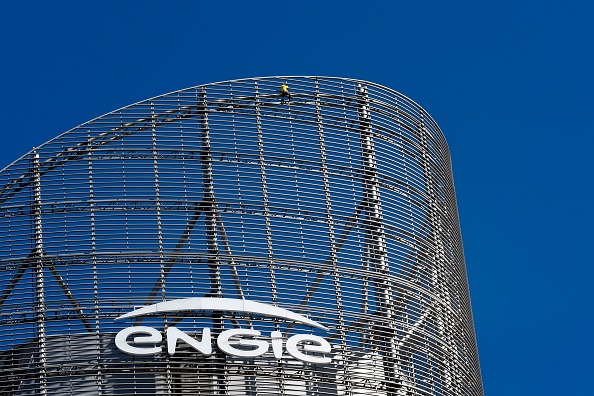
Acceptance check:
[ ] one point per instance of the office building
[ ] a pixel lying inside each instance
(225, 240)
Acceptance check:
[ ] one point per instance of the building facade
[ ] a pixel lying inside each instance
(225, 240)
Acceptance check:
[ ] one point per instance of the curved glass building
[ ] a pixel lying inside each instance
(225, 240)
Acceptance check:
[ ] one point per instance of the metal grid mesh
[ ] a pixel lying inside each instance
(338, 205)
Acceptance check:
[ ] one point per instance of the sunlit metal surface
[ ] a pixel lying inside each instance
(337, 205)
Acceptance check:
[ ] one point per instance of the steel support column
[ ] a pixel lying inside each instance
(212, 240)
(38, 254)
(376, 257)
(333, 254)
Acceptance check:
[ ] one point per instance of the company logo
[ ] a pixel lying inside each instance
(235, 342)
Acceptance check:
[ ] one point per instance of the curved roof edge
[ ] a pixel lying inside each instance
(353, 80)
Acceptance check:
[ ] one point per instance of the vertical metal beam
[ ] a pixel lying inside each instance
(333, 254)
(162, 272)
(261, 163)
(210, 210)
(38, 253)
(100, 377)
(376, 259)
(210, 204)
(158, 203)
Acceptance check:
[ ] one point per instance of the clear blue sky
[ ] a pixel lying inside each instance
(509, 82)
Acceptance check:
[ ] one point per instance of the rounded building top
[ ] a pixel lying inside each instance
(221, 95)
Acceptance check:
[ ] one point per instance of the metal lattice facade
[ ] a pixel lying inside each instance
(338, 205)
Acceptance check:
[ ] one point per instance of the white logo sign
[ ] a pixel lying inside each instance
(229, 340)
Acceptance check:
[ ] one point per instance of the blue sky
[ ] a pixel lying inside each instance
(509, 82)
